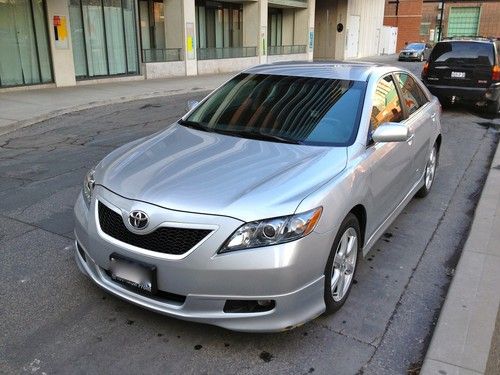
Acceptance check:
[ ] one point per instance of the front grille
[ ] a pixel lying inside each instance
(166, 240)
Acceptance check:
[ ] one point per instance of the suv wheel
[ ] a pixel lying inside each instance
(341, 264)
(493, 107)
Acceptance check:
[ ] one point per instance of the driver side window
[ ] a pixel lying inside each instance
(386, 104)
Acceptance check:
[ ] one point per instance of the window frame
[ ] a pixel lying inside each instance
(405, 110)
(369, 139)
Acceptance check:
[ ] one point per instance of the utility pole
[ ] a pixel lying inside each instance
(440, 33)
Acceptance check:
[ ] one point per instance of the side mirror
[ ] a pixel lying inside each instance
(391, 132)
(191, 104)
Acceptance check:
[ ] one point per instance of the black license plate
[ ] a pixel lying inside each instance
(136, 274)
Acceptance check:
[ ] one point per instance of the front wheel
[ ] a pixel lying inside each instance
(421, 58)
(341, 265)
(430, 173)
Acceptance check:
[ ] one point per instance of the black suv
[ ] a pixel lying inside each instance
(466, 69)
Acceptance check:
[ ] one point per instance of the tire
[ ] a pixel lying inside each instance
(445, 102)
(421, 58)
(348, 237)
(493, 107)
(430, 173)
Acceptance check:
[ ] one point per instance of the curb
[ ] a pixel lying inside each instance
(461, 341)
(47, 116)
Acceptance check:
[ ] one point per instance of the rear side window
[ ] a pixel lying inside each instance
(386, 105)
(457, 53)
(412, 95)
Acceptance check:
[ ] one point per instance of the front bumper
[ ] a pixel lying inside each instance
(409, 58)
(290, 274)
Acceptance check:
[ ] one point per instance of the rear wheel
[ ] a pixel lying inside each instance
(341, 265)
(493, 107)
(430, 173)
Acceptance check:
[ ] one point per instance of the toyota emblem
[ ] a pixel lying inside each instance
(138, 219)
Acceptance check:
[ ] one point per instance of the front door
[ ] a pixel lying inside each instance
(389, 162)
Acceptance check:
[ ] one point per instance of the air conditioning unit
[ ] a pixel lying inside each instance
(438, 16)
(440, 6)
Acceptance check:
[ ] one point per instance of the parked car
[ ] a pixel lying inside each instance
(252, 211)
(466, 69)
(415, 52)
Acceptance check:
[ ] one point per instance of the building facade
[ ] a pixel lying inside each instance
(420, 20)
(71, 42)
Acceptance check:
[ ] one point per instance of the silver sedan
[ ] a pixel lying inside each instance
(253, 210)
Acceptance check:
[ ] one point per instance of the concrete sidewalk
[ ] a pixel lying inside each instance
(25, 107)
(465, 340)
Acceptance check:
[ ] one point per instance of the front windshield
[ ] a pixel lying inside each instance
(415, 46)
(304, 110)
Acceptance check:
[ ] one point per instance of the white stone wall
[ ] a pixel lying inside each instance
(226, 65)
(164, 69)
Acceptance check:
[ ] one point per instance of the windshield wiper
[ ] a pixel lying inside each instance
(194, 125)
(240, 134)
(258, 135)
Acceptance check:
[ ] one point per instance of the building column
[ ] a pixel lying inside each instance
(62, 55)
(311, 8)
(180, 31)
(255, 27)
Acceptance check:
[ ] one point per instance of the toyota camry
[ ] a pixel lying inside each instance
(253, 210)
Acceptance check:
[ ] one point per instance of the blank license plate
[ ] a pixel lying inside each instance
(135, 274)
(457, 74)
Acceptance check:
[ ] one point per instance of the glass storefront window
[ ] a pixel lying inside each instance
(275, 27)
(152, 21)
(103, 33)
(24, 47)
(219, 24)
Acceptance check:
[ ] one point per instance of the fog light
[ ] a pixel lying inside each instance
(248, 306)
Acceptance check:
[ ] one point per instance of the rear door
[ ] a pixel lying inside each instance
(461, 63)
(421, 118)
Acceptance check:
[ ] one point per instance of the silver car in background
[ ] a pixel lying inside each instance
(252, 211)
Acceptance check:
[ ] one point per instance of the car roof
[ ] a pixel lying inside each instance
(487, 41)
(344, 70)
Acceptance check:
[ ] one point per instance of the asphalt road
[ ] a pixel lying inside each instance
(54, 320)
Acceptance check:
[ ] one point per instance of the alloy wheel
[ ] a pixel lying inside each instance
(344, 264)
(430, 169)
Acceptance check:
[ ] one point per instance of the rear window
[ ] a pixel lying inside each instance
(457, 53)
(305, 110)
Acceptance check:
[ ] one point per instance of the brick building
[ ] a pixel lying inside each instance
(418, 20)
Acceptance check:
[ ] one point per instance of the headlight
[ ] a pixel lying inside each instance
(88, 186)
(272, 231)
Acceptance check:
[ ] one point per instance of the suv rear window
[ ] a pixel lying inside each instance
(457, 53)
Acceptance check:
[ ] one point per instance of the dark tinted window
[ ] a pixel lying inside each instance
(386, 105)
(412, 95)
(304, 110)
(456, 53)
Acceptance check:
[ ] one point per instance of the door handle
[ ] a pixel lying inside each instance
(433, 117)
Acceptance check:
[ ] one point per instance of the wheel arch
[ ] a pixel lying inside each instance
(360, 212)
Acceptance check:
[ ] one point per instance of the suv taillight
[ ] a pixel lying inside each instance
(495, 73)
(425, 70)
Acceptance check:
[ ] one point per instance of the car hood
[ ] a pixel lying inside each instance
(196, 171)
